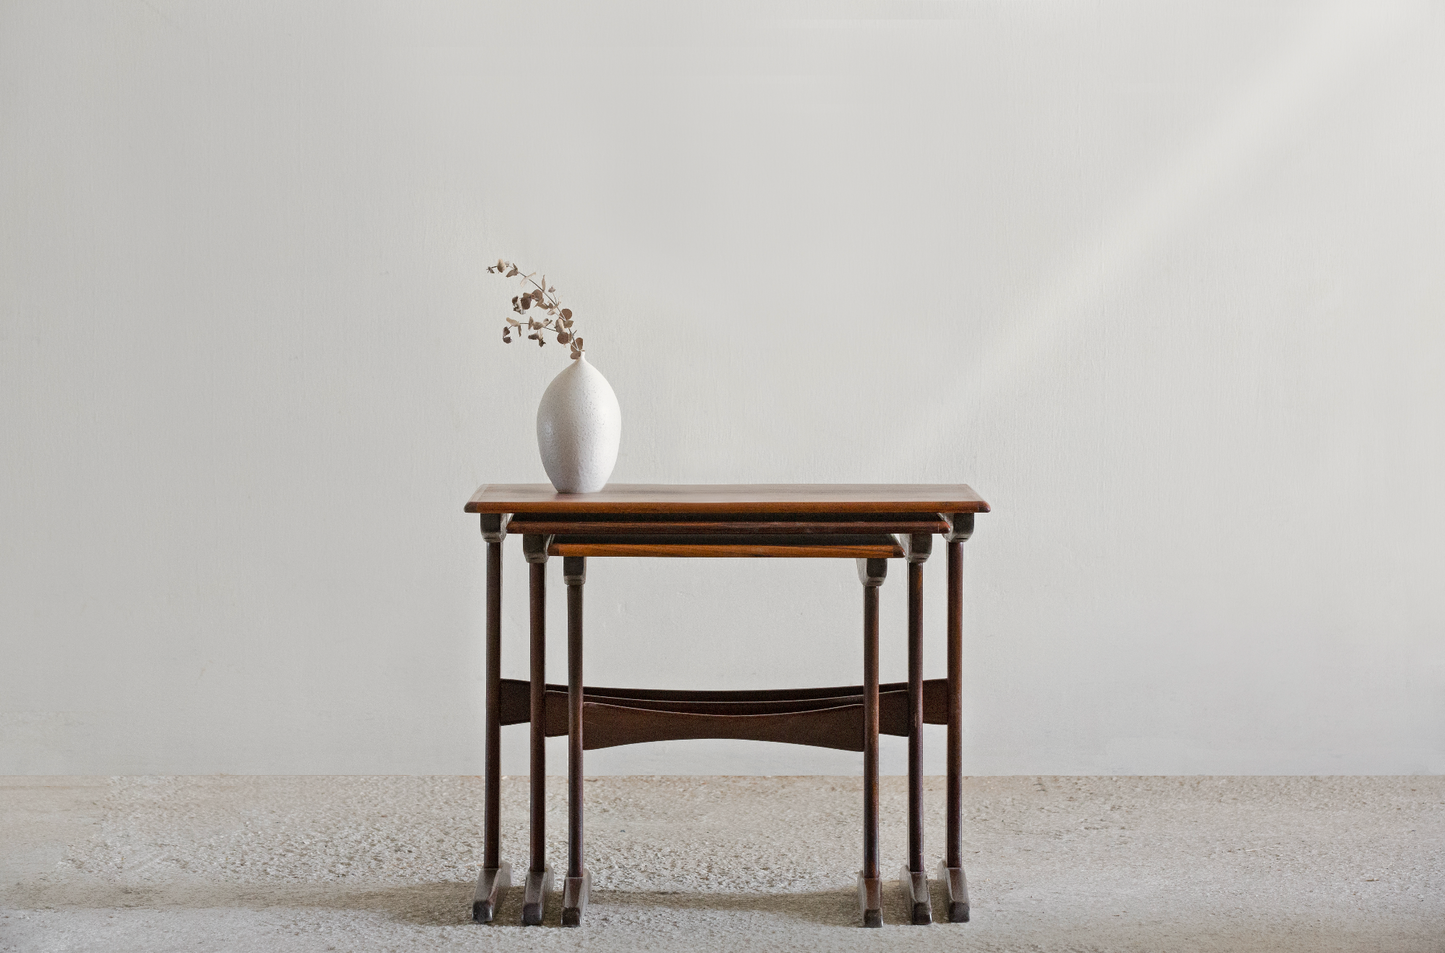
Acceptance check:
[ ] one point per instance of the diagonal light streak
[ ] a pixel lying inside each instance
(1045, 328)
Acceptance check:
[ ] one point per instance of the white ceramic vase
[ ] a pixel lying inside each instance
(579, 426)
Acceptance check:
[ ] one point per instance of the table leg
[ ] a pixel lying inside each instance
(539, 875)
(578, 885)
(496, 876)
(871, 573)
(913, 878)
(950, 870)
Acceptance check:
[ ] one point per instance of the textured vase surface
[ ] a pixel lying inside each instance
(579, 426)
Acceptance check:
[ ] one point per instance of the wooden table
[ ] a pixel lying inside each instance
(868, 523)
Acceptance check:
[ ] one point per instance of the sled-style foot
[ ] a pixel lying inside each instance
(870, 899)
(534, 896)
(915, 888)
(955, 887)
(491, 888)
(575, 891)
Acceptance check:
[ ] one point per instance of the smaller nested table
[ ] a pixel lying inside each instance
(868, 523)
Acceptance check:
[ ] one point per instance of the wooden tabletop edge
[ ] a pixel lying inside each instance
(877, 498)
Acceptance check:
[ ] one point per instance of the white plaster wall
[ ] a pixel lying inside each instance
(1163, 282)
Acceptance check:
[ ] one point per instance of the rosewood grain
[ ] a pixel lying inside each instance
(950, 870)
(749, 695)
(873, 546)
(833, 499)
(871, 573)
(574, 526)
(534, 896)
(492, 886)
(955, 892)
(492, 852)
(611, 725)
(953, 804)
(915, 890)
(613, 717)
(496, 874)
(575, 893)
(915, 717)
(871, 523)
(578, 885)
(539, 875)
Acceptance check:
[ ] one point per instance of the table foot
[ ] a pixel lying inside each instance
(534, 896)
(915, 888)
(575, 891)
(955, 886)
(870, 899)
(491, 888)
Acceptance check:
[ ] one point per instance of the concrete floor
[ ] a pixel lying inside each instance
(387, 863)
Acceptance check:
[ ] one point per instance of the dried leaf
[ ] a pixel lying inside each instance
(538, 296)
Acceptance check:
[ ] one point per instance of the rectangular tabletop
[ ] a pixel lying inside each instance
(739, 499)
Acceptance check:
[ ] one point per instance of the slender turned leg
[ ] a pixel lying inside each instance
(950, 870)
(496, 876)
(870, 885)
(913, 878)
(579, 881)
(539, 875)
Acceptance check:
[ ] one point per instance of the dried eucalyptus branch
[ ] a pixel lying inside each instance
(542, 297)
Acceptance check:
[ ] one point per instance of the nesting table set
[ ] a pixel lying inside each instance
(868, 523)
